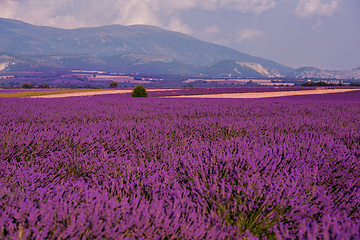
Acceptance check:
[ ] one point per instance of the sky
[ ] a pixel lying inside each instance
(295, 33)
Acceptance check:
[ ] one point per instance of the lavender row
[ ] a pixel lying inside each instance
(122, 168)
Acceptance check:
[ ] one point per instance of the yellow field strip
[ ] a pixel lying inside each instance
(98, 92)
(43, 93)
(82, 94)
(71, 93)
(79, 93)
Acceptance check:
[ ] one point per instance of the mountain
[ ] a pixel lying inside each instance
(18, 37)
(133, 63)
(126, 63)
(148, 64)
(229, 68)
(357, 68)
(15, 62)
(312, 72)
(232, 68)
(129, 63)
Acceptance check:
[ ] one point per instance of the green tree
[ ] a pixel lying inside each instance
(113, 84)
(139, 91)
(27, 86)
(44, 86)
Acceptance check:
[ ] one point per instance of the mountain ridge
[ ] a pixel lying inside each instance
(135, 49)
(18, 37)
(314, 72)
(132, 63)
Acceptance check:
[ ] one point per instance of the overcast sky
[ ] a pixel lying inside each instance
(320, 33)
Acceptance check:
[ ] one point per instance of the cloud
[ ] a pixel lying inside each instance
(223, 42)
(177, 25)
(49, 13)
(135, 12)
(310, 8)
(8, 8)
(85, 13)
(255, 6)
(211, 30)
(249, 34)
(316, 27)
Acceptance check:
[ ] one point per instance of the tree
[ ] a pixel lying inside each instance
(139, 91)
(27, 86)
(113, 84)
(44, 86)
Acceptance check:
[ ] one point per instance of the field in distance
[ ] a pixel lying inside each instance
(222, 92)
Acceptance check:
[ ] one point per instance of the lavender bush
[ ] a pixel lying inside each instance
(114, 167)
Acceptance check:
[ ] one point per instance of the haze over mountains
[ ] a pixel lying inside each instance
(129, 49)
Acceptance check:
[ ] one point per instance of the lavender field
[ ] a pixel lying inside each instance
(116, 167)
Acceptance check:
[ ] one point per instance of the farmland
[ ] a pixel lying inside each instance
(32, 93)
(209, 92)
(115, 167)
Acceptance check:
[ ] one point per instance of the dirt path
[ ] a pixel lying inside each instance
(266, 94)
(222, 95)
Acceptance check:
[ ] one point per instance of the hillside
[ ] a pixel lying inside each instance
(312, 72)
(129, 63)
(148, 64)
(233, 68)
(18, 37)
(126, 63)
(15, 62)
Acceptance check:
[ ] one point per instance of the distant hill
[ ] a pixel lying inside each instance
(357, 68)
(233, 68)
(18, 37)
(134, 63)
(14, 62)
(128, 63)
(229, 68)
(312, 72)
(148, 64)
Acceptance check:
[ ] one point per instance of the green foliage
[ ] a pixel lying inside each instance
(44, 86)
(27, 86)
(113, 84)
(139, 91)
(354, 84)
(322, 84)
(252, 84)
